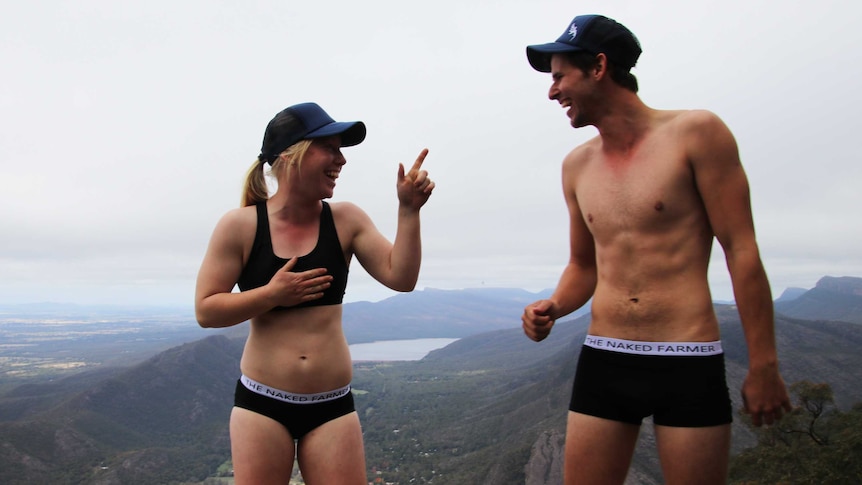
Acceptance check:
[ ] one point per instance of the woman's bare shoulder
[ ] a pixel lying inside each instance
(236, 223)
(346, 210)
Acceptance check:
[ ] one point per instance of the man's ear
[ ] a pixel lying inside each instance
(601, 66)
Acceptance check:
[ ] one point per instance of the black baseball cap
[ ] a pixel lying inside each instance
(590, 33)
(306, 121)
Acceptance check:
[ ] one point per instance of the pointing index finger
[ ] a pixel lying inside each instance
(418, 163)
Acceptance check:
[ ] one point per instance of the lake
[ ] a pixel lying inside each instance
(412, 349)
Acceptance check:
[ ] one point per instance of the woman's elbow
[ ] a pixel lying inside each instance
(405, 288)
(405, 285)
(205, 318)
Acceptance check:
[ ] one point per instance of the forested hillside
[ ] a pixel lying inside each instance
(493, 406)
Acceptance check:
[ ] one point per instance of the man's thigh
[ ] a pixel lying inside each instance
(694, 455)
(598, 450)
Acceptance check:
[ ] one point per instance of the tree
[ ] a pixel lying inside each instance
(814, 443)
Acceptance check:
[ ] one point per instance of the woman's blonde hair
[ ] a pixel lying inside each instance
(256, 189)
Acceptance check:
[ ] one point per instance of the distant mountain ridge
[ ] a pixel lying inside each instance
(487, 409)
(833, 298)
(433, 313)
(790, 294)
(843, 284)
(75, 309)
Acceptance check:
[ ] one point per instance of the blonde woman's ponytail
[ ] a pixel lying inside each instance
(255, 189)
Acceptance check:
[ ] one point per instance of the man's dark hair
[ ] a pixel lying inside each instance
(586, 61)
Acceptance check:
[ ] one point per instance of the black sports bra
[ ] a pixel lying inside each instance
(263, 263)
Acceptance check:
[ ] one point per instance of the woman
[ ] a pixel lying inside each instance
(289, 254)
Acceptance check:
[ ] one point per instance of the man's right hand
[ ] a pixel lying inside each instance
(537, 321)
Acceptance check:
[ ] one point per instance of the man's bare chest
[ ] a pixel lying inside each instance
(643, 194)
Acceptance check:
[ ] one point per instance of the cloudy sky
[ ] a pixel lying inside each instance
(126, 129)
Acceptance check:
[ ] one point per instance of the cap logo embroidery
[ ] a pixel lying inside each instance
(573, 31)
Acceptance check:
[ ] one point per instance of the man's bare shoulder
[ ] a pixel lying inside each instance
(707, 137)
(694, 119)
(582, 153)
(700, 131)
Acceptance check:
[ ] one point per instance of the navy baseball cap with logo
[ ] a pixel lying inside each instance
(595, 34)
(306, 121)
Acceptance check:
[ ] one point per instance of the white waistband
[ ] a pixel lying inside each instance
(291, 397)
(653, 348)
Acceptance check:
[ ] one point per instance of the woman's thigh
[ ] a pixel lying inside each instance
(261, 449)
(333, 453)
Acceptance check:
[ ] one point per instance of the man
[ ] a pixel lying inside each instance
(645, 198)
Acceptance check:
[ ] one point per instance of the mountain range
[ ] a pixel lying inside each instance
(489, 408)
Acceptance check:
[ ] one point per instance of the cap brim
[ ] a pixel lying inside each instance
(540, 55)
(352, 132)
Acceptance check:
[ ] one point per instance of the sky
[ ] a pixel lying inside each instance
(126, 129)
